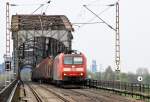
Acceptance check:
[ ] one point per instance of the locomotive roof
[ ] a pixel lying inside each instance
(72, 54)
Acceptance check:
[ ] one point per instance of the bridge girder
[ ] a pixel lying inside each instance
(32, 43)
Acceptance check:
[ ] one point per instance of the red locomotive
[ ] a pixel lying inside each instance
(64, 68)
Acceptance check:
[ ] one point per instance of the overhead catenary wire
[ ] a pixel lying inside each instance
(48, 2)
(48, 5)
(80, 25)
(92, 2)
(41, 5)
(25, 4)
(87, 23)
(99, 18)
(83, 24)
(95, 3)
(38, 8)
(117, 38)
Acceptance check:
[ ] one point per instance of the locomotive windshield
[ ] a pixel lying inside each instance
(68, 60)
(77, 60)
(73, 60)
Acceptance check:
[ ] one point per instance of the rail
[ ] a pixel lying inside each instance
(56, 94)
(35, 94)
(135, 90)
(6, 93)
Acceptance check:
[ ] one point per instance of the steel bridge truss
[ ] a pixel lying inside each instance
(38, 36)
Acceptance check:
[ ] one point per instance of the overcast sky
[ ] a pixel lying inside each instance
(97, 41)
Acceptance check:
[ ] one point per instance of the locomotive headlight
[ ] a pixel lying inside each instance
(81, 74)
(65, 74)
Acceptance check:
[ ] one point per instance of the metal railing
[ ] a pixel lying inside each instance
(6, 92)
(135, 90)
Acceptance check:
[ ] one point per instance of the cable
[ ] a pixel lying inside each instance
(48, 2)
(37, 8)
(95, 17)
(92, 2)
(48, 5)
(87, 23)
(99, 18)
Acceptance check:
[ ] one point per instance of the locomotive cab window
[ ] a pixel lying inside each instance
(78, 60)
(73, 60)
(68, 60)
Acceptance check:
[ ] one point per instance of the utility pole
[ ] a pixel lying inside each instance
(7, 57)
(117, 37)
(7, 31)
(117, 44)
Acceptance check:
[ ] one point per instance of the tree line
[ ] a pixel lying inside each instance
(129, 77)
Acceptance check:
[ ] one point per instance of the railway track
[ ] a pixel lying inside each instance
(95, 95)
(88, 95)
(42, 94)
(50, 93)
(108, 97)
(37, 96)
(56, 94)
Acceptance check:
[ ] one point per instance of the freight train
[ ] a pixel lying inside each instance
(64, 68)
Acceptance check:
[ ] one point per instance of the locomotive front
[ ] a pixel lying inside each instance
(74, 67)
